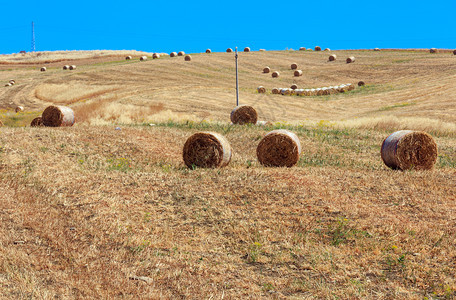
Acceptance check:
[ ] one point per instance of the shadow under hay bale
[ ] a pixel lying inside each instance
(294, 66)
(206, 150)
(267, 70)
(58, 116)
(246, 49)
(332, 57)
(297, 73)
(43, 69)
(155, 56)
(279, 148)
(350, 59)
(72, 67)
(317, 48)
(229, 50)
(128, 57)
(243, 114)
(208, 51)
(188, 58)
(37, 122)
(261, 89)
(407, 149)
(275, 74)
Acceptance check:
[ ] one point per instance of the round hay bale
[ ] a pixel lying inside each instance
(294, 66)
(279, 148)
(208, 51)
(173, 54)
(206, 150)
(66, 67)
(19, 109)
(229, 50)
(275, 91)
(261, 89)
(407, 149)
(294, 86)
(8, 84)
(317, 48)
(72, 67)
(299, 92)
(266, 70)
(37, 122)
(128, 57)
(361, 83)
(247, 49)
(155, 56)
(275, 74)
(262, 50)
(376, 49)
(454, 52)
(433, 50)
(143, 58)
(181, 53)
(350, 59)
(43, 69)
(302, 49)
(351, 87)
(285, 91)
(319, 92)
(244, 114)
(327, 49)
(188, 58)
(12, 81)
(263, 123)
(297, 73)
(332, 57)
(57, 116)
(309, 49)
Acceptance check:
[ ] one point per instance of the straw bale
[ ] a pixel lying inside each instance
(332, 57)
(57, 116)
(37, 122)
(285, 91)
(188, 58)
(43, 69)
(376, 49)
(12, 81)
(275, 91)
(297, 73)
(266, 70)
(229, 50)
(19, 109)
(243, 114)
(142, 58)
(155, 56)
(208, 51)
(279, 148)
(181, 53)
(294, 86)
(361, 83)
(72, 67)
(454, 52)
(327, 49)
(317, 48)
(407, 149)
(302, 49)
(294, 66)
(206, 150)
(173, 54)
(66, 67)
(126, 58)
(275, 74)
(9, 84)
(261, 89)
(433, 50)
(350, 59)
(246, 49)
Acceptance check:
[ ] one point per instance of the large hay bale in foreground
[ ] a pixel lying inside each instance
(126, 58)
(188, 58)
(208, 51)
(19, 109)
(155, 56)
(433, 50)
(407, 149)
(261, 89)
(279, 148)
(275, 74)
(66, 67)
(297, 73)
(244, 114)
(72, 67)
(266, 70)
(43, 69)
(229, 50)
(206, 150)
(37, 122)
(317, 48)
(143, 58)
(57, 116)
(247, 49)
(350, 59)
(181, 53)
(332, 57)
(275, 91)
(294, 66)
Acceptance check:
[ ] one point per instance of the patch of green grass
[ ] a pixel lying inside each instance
(390, 107)
(22, 119)
(121, 164)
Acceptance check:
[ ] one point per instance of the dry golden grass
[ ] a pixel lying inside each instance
(85, 209)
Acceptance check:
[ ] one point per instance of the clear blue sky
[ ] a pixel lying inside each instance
(193, 26)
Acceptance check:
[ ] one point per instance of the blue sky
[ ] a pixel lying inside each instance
(193, 26)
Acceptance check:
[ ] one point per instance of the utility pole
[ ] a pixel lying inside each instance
(237, 79)
(33, 37)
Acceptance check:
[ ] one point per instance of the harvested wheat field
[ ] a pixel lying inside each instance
(89, 211)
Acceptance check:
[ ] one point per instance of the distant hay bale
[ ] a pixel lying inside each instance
(12, 81)
(247, 49)
(181, 53)
(332, 57)
(43, 69)
(261, 89)
(433, 50)
(37, 122)
(275, 74)
(299, 92)
(208, 51)
(66, 67)
(279, 148)
(72, 67)
(155, 56)
(317, 48)
(173, 54)
(188, 58)
(302, 49)
(454, 52)
(19, 109)
(361, 83)
(350, 59)
(407, 149)
(327, 49)
(262, 50)
(285, 91)
(275, 91)
(57, 116)
(297, 73)
(229, 50)
(243, 114)
(8, 84)
(266, 70)
(206, 150)
(294, 66)
(319, 92)
(263, 123)
(126, 58)
(309, 49)
(351, 86)
(294, 86)
(376, 49)
(143, 58)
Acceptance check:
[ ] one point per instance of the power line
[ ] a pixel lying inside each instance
(33, 37)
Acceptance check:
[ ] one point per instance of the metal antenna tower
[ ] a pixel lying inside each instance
(33, 37)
